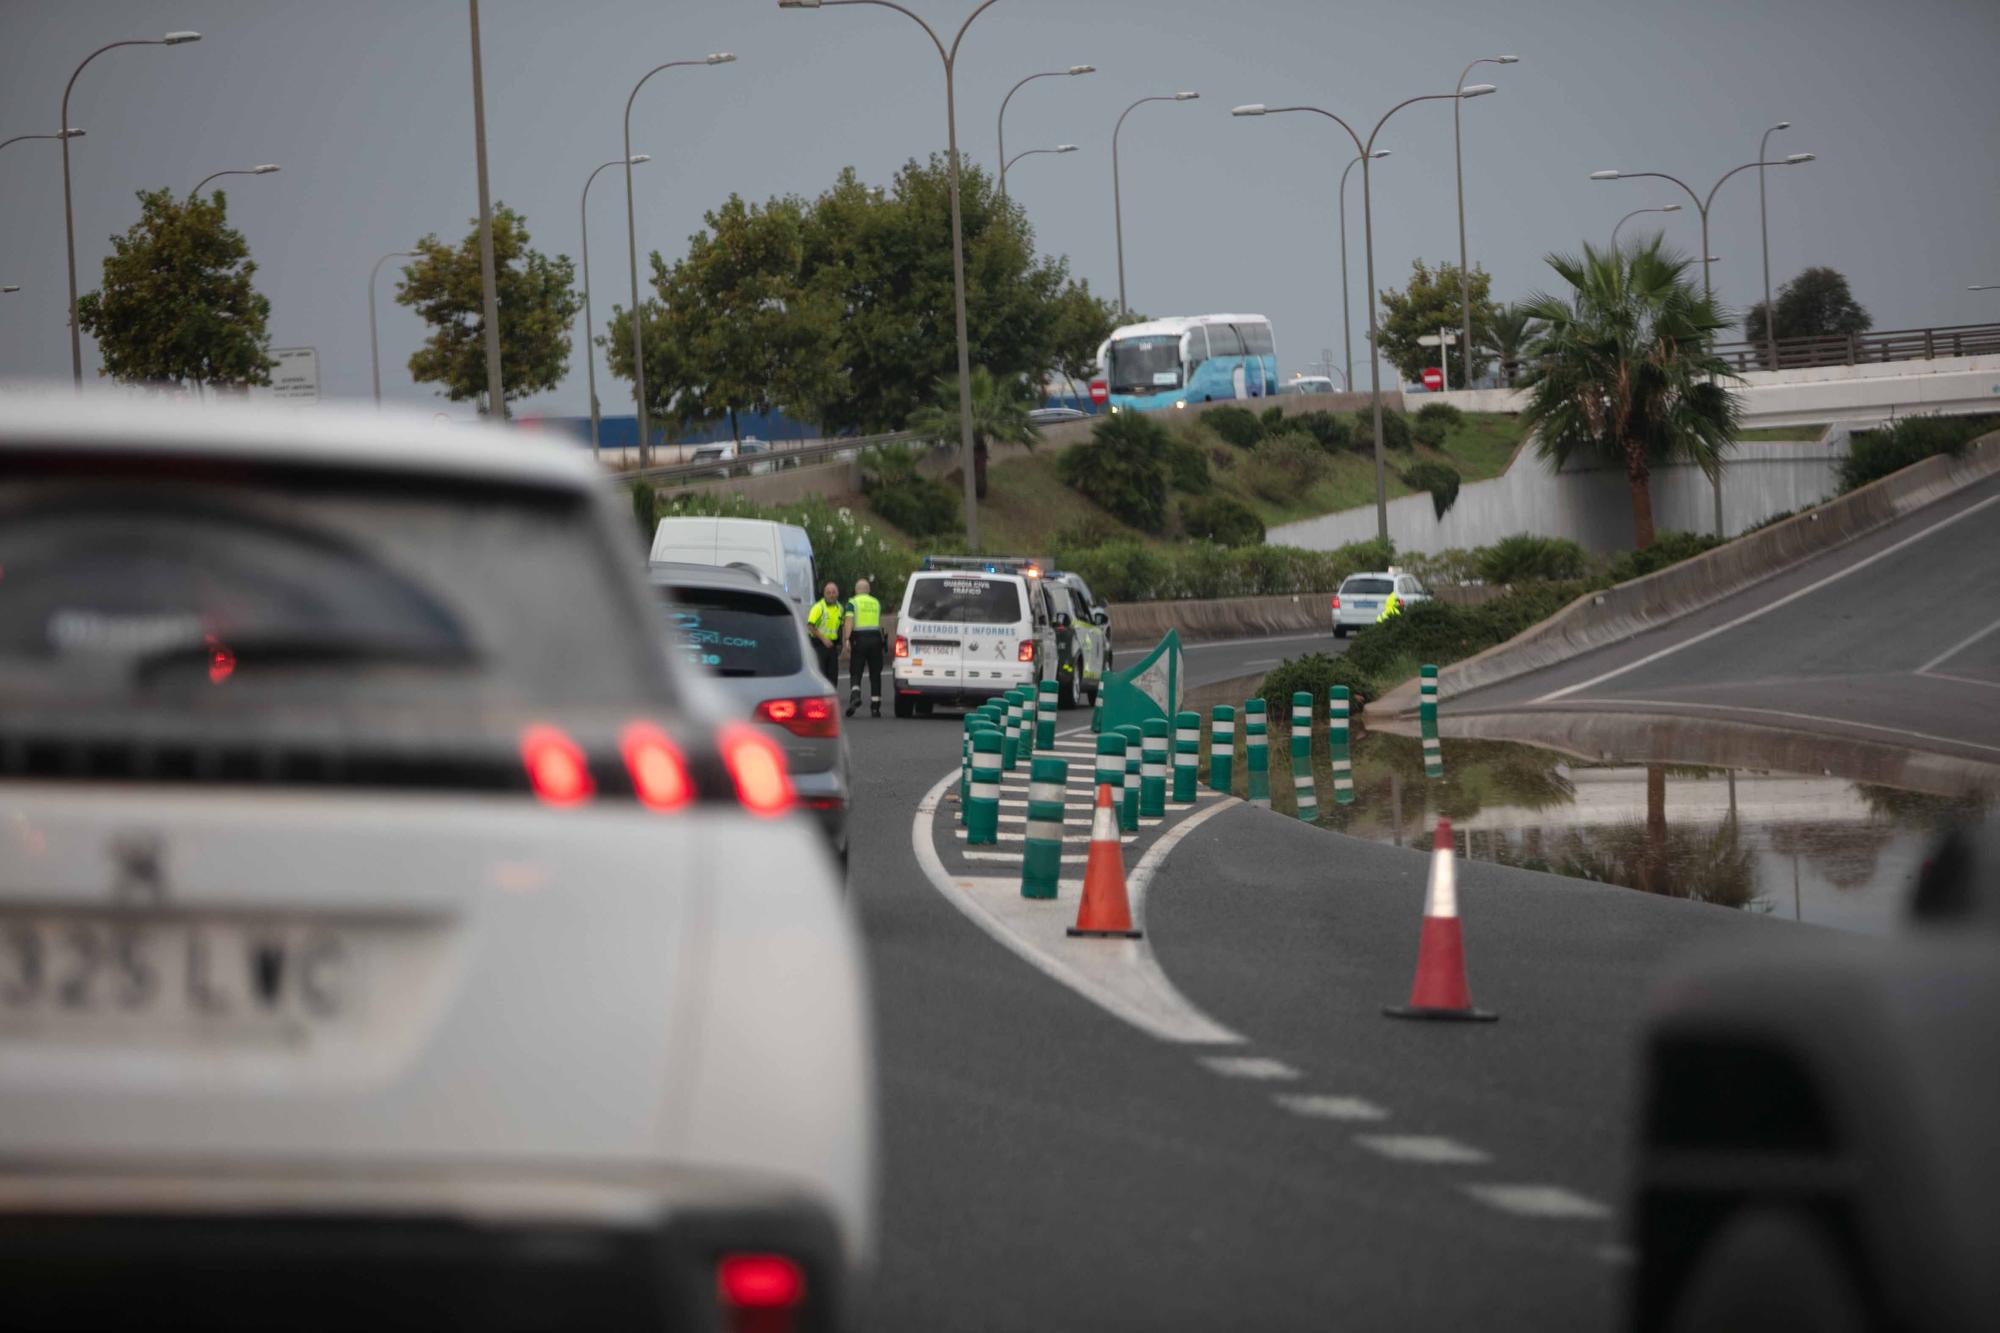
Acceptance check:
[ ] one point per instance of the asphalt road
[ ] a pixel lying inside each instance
(1205, 662)
(1894, 638)
(1049, 1166)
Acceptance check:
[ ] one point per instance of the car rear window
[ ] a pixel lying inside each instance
(965, 600)
(734, 632)
(1367, 587)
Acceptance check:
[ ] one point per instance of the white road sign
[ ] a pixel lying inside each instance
(295, 379)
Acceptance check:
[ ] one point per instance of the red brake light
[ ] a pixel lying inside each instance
(557, 769)
(659, 776)
(758, 767)
(811, 716)
(759, 1282)
(1027, 653)
(1336, 601)
(902, 646)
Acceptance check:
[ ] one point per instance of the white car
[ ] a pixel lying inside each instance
(384, 942)
(1359, 601)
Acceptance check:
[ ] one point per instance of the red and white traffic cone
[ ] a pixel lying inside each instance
(1105, 912)
(1440, 991)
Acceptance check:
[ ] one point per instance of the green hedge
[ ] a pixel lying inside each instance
(1223, 520)
(1668, 548)
(1130, 571)
(1874, 454)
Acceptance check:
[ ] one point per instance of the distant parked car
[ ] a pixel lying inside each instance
(1360, 598)
(1045, 416)
(1309, 384)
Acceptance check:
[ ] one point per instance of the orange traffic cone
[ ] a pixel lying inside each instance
(1440, 991)
(1104, 912)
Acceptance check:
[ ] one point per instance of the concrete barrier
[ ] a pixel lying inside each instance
(1137, 625)
(1607, 617)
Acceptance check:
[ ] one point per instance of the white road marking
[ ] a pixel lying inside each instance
(1789, 598)
(1806, 717)
(1015, 860)
(1549, 1202)
(1429, 1149)
(1956, 649)
(1960, 680)
(1259, 1067)
(1324, 1106)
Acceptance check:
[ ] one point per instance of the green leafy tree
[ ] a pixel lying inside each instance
(537, 300)
(1123, 468)
(1000, 407)
(1431, 302)
(1510, 333)
(1815, 304)
(1625, 373)
(177, 305)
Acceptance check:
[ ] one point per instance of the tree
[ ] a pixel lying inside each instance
(1511, 332)
(1624, 371)
(537, 300)
(177, 305)
(999, 416)
(1815, 304)
(1123, 469)
(1431, 302)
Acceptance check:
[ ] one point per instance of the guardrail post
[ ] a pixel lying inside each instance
(1128, 804)
(1305, 793)
(982, 813)
(1427, 719)
(1222, 748)
(1041, 854)
(1336, 744)
(1153, 769)
(1187, 756)
(1256, 742)
(1047, 705)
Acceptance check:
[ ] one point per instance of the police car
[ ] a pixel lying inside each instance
(1358, 604)
(1083, 637)
(971, 629)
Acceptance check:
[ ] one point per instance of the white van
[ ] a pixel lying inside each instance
(967, 635)
(780, 552)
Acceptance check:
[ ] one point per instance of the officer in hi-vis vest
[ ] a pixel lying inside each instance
(1392, 607)
(823, 626)
(864, 647)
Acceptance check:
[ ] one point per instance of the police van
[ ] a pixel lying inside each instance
(971, 629)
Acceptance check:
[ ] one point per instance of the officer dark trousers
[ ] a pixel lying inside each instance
(828, 655)
(865, 648)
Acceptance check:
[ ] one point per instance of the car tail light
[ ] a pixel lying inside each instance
(902, 646)
(557, 769)
(811, 716)
(659, 775)
(758, 767)
(1027, 653)
(1336, 601)
(762, 1293)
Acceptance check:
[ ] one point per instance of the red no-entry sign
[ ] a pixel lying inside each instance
(1433, 378)
(1099, 393)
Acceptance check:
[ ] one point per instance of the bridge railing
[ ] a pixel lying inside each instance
(826, 453)
(1863, 348)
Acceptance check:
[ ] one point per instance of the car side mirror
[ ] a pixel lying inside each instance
(1062, 620)
(1101, 617)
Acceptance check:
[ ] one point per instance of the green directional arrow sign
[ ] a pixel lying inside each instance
(1149, 690)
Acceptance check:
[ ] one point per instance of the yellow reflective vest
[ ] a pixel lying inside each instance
(865, 613)
(1392, 607)
(824, 620)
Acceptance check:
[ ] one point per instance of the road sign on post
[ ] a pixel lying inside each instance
(1151, 689)
(295, 379)
(1100, 392)
(1433, 378)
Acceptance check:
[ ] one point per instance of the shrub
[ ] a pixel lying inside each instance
(1874, 454)
(1433, 632)
(1284, 467)
(1121, 571)
(1314, 673)
(921, 506)
(1236, 425)
(1440, 479)
(1222, 458)
(1223, 520)
(1329, 429)
(1395, 431)
(1526, 558)
(1668, 548)
(1131, 571)
(1123, 469)
(1272, 419)
(1454, 567)
(1187, 466)
(1087, 531)
(1429, 433)
(1444, 412)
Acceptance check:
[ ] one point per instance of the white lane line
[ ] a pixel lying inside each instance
(1804, 717)
(1141, 877)
(1548, 1202)
(1429, 1149)
(1005, 858)
(1748, 616)
(1325, 1106)
(1261, 1068)
(1956, 649)
(1960, 680)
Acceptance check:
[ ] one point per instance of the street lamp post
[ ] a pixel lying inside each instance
(1669, 208)
(1366, 150)
(1764, 232)
(10, 287)
(69, 208)
(1458, 163)
(264, 170)
(489, 282)
(374, 348)
(1034, 152)
(632, 253)
(60, 134)
(589, 321)
(1117, 200)
(1071, 72)
(1984, 287)
(1346, 333)
(950, 57)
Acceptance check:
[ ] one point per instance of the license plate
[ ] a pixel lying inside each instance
(160, 974)
(1365, 604)
(931, 645)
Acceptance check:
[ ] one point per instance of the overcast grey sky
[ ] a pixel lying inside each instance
(366, 104)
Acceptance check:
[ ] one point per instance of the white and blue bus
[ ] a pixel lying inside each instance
(1167, 363)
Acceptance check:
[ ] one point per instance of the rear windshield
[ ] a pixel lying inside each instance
(733, 632)
(240, 589)
(966, 600)
(1367, 587)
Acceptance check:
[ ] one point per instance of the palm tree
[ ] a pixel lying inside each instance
(1624, 370)
(999, 415)
(1509, 334)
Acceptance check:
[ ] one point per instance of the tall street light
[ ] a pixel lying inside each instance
(1071, 72)
(10, 287)
(1984, 287)
(489, 282)
(632, 253)
(1366, 151)
(1669, 208)
(1117, 201)
(264, 170)
(1458, 162)
(374, 349)
(69, 208)
(1346, 305)
(1764, 228)
(1036, 152)
(60, 134)
(950, 57)
(589, 321)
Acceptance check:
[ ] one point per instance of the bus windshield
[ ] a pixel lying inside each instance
(1145, 365)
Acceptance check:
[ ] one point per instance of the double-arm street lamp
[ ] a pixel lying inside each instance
(948, 54)
(69, 209)
(1458, 162)
(1004, 160)
(374, 349)
(264, 170)
(1764, 228)
(1117, 201)
(589, 322)
(60, 134)
(632, 253)
(1346, 305)
(1035, 152)
(1669, 208)
(1366, 150)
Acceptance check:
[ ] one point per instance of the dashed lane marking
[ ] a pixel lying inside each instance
(1429, 1149)
(1547, 1202)
(1259, 1067)
(1324, 1106)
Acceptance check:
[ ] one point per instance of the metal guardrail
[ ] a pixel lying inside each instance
(1863, 348)
(779, 458)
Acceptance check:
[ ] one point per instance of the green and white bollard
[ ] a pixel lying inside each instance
(1427, 721)
(1257, 752)
(1336, 744)
(1304, 792)
(1110, 770)
(1041, 858)
(1097, 714)
(973, 722)
(1010, 754)
(1187, 757)
(1221, 748)
(1153, 769)
(982, 811)
(1031, 721)
(1046, 707)
(1128, 803)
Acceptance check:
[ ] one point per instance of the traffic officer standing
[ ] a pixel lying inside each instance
(823, 624)
(864, 646)
(1392, 607)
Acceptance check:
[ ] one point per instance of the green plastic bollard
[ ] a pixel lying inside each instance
(1153, 769)
(1128, 803)
(1336, 744)
(1041, 857)
(1010, 753)
(1221, 748)
(982, 812)
(1110, 770)
(1256, 750)
(1031, 721)
(1187, 757)
(1427, 721)
(1046, 707)
(1304, 792)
